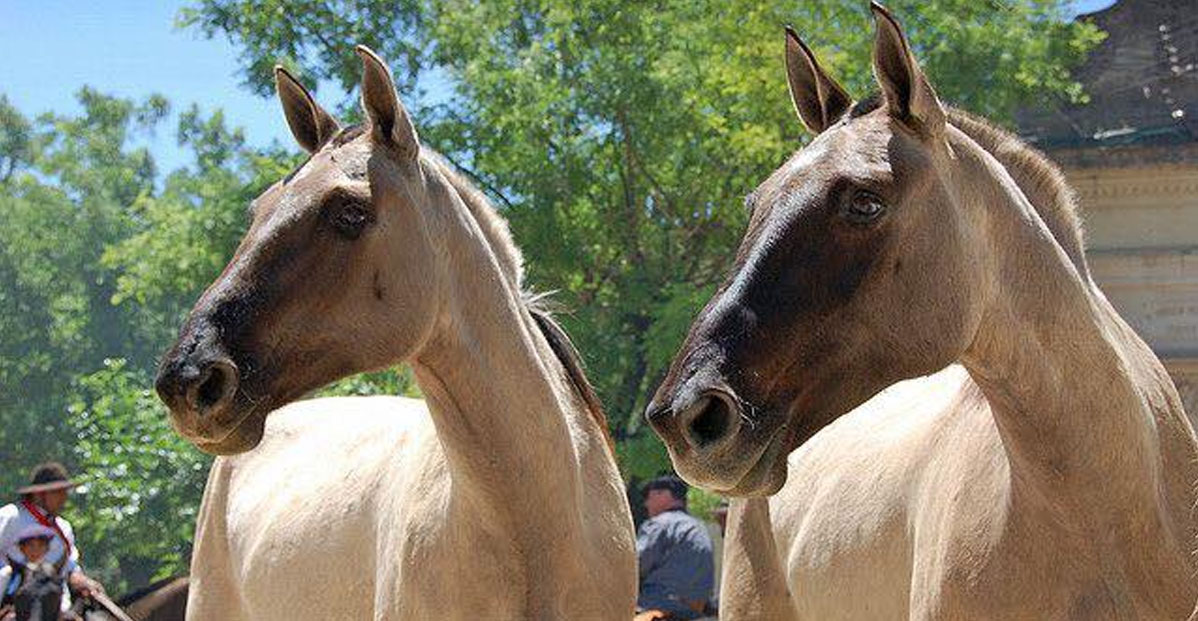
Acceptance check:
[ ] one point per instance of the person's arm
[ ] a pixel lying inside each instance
(71, 567)
(697, 546)
(5, 577)
(79, 582)
(9, 525)
(72, 564)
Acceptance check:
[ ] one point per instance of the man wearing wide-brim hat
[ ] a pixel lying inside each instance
(41, 501)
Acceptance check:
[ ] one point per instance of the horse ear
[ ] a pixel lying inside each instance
(818, 99)
(309, 123)
(909, 95)
(389, 121)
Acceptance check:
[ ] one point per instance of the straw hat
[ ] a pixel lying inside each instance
(47, 477)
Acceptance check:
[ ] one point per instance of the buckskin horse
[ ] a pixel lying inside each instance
(500, 498)
(1047, 470)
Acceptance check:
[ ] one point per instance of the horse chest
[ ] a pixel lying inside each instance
(941, 539)
(449, 568)
(459, 567)
(952, 571)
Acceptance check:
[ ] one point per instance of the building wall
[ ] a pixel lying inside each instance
(1142, 243)
(1143, 207)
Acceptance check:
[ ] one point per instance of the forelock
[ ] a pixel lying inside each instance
(871, 102)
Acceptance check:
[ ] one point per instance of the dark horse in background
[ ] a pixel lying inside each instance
(164, 600)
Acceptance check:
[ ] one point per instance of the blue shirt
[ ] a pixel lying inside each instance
(676, 564)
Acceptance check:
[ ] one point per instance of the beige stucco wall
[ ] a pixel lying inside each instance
(1143, 207)
(1142, 239)
(1156, 291)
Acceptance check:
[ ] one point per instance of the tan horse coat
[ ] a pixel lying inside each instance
(904, 509)
(347, 510)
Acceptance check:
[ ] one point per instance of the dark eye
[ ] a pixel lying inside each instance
(350, 218)
(864, 208)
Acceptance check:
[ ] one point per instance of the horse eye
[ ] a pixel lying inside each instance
(865, 207)
(350, 219)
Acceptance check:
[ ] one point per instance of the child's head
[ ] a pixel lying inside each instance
(34, 542)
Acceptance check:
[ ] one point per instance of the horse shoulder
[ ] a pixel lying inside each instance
(214, 592)
(305, 505)
(862, 490)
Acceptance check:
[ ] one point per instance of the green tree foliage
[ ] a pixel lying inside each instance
(620, 136)
(91, 267)
(302, 33)
(135, 514)
(16, 140)
(70, 182)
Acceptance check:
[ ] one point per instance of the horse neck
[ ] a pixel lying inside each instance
(1085, 409)
(518, 440)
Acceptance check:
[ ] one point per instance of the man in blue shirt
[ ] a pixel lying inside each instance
(674, 553)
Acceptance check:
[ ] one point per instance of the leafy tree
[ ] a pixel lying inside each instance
(135, 517)
(74, 188)
(302, 33)
(64, 198)
(16, 140)
(90, 254)
(619, 137)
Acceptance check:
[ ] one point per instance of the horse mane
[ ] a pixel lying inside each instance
(1036, 175)
(565, 351)
(1040, 179)
(499, 236)
(494, 226)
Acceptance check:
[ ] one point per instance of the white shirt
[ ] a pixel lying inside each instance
(14, 518)
(5, 577)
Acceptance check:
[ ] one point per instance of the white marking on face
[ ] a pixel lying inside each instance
(305, 170)
(351, 162)
(810, 153)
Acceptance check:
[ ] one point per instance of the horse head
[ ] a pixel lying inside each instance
(860, 267)
(338, 272)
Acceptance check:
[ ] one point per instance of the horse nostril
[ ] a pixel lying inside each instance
(709, 420)
(215, 386)
(211, 388)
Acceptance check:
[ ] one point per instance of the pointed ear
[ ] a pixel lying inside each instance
(389, 121)
(818, 99)
(309, 123)
(909, 95)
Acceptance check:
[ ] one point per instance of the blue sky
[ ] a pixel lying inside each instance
(128, 48)
(132, 49)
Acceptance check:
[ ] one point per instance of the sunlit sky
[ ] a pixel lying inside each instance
(131, 48)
